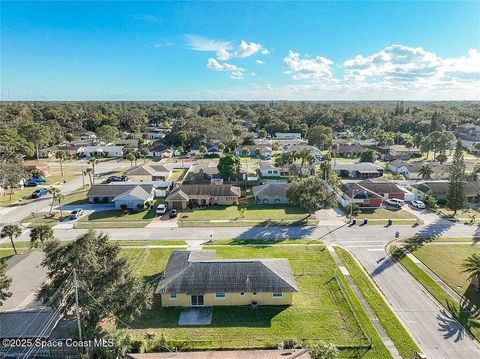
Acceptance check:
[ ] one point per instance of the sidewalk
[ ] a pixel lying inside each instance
(370, 313)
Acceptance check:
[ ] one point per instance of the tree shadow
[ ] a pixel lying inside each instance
(455, 319)
(435, 229)
(277, 232)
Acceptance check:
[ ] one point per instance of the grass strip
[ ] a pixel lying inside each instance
(243, 242)
(392, 325)
(96, 225)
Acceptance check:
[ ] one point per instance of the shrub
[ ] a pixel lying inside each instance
(141, 206)
(289, 344)
(324, 350)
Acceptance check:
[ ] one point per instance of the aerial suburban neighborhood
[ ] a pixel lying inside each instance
(169, 189)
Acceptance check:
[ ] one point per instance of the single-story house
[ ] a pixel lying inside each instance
(268, 169)
(383, 187)
(346, 150)
(159, 151)
(191, 195)
(149, 172)
(87, 135)
(103, 151)
(314, 150)
(285, 144)
(196, 278)
(133, 196)
(265, 151)
(288, 135)
(398, 152)
(439, 190)
(354, 193)
(211, 150)
(360, 170)
(411, 170)
(271, 193)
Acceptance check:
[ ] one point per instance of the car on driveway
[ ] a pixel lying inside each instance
(418, 204)
(173, 213)
(76, 213)
(39, 193)
(114, 179)
(395, 202)
(34, 182)
(161, 209)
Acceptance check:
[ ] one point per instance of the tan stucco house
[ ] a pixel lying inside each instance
(149, 172)
(190, 195)
(196, 278)
(132, 196)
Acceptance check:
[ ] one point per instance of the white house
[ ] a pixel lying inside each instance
(132, 196)
(288, 135)
(103, 151)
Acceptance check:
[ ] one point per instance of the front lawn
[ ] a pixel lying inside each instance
(118, 216)
(241, 242)
(384, 213)
(463, 214)
(320, 310)
(78, 196)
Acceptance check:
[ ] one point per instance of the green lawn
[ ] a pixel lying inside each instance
(464, 215)
(151, 243)
(78, 196)
(25, 194)
(392, 325)
(383, 213)
(177, 174)
(236, 242)
(118, 216)
(320, 310)
(100, 225)
(462, 316)
(446, 261)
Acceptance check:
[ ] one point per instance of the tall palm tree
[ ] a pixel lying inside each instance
(11, 231)
(426, 171)
(93, 161)
(131, 158)
(55, 193)
(89, 173)
(60, 155)
(471, 266)
(305, 155)
(60, 198)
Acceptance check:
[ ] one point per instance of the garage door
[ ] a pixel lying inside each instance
(177, 205)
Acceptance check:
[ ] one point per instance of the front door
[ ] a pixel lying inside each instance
(197, 300)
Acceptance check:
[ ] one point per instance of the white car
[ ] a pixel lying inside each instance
(418, 204)
(76, 213)
(395, 202)
(161, 209)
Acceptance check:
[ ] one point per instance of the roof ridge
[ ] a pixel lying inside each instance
(278, 275)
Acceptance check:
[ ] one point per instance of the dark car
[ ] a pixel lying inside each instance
(173, 213)
(114, 179)
(39, 193)
(34, 182)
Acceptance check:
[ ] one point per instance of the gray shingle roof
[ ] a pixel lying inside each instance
(196, 272)
(28, 324)
(381, 186)
(436, 188)
(271, 190)
(206, 190)
(147, 169)
(114, 190)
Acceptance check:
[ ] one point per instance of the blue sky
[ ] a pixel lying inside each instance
(240, 50)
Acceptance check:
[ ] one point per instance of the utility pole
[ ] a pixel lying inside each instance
(83, 179)
(77, 307)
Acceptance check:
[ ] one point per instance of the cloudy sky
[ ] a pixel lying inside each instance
(240, 50)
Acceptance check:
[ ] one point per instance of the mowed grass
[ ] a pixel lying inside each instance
(392, 325)
(242, 242)
(446, 262)
(246, 212)
(383, 213)
(320, 310)
(118, 216)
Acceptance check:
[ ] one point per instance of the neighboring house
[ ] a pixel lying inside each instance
(149, 172)
(134, 196)
(362, 197)
(411, 170)
(88, 135)
(228, 354)
(439, 190)
(271, 193)
(265, 151)
(360, 170)
(196, 278)
(383, 187)
(285, 144)
(103, 151)
(206, 171)
(211, 150)
(129, 142)
(346, 150)
(288, 136)
(468, 131)
(155, 134)
(398, 152)
(314, 150)
(159, 151)
(192, 195)
(268, 169)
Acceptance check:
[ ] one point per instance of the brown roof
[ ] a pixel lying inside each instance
(205, 190)
(380, 186)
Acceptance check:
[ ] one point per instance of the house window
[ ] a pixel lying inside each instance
(269, 172)
(242, 293)
(220, 295)
(173, 296)
(254, 293)
(277, 295)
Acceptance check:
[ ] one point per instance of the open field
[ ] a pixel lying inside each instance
(392, 325)
(446, 261)
(320, 309)
(451, 305)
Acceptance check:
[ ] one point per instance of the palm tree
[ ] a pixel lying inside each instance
(258, 153)
(131, 158)
(305, 155)
(89, 173)
(60, 155)
(144, 152)
(60, 198)
(93, 161)
(55, 194)
(426, 171)
(471, 266)
(11, 231)
(245, 154)
(202, 151)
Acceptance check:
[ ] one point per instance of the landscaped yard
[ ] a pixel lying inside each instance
(463, 215)
(176, 175)
(320, 309)
(250, 214)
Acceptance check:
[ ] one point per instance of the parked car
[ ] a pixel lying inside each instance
(395, 202)
(418, 204)
(114, 179)
(76, 213)
(173, 213)
(34, 182)
(161, 209)
(39, 193)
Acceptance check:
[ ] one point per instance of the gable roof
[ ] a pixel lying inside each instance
(271, 189)
(436, 188)
(148, 170)
(196, 272)
(380, 186)
(28, 323)
(113, 189)
(363, 167)
(354, 189)
(184, 191)
(136, 192)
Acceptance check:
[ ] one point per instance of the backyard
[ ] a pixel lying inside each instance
(320, 310)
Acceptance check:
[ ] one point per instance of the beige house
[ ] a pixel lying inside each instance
(149, 172)
(191, 195)
(130, 196)
(196, 278)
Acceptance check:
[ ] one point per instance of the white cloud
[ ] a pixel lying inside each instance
(304, 69)
(200, 43)
(247, 49)
(265, 52)
(260, 62)
(235, 71)
(163, 44)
